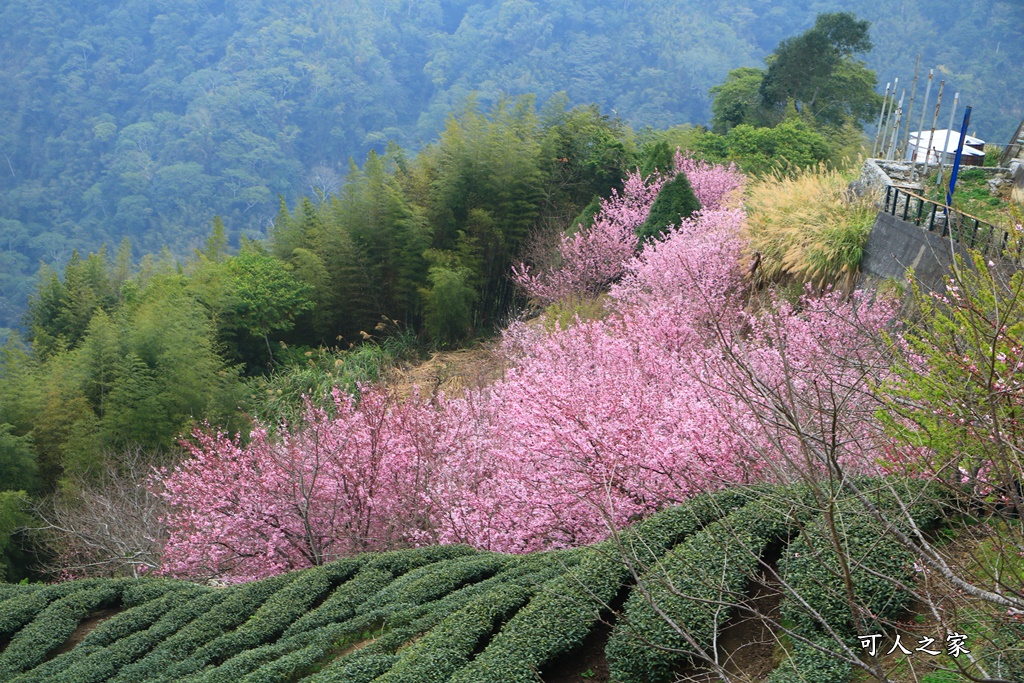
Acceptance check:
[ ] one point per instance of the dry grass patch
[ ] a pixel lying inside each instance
(808, 227)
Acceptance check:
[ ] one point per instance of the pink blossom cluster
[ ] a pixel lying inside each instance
(343, 483)
(591, 258)
(594, 425)
(715, 185)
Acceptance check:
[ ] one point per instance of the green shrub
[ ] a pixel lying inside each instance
(449, 645)
(410, 621)
(238, 605)
(805, 663)
(694, 583)
(269, 621)
(21, 608)
(675, 201)
(436, 580)
(118, 626)
(52, 626)
(810, 565)
(106, 662)
(568, 607)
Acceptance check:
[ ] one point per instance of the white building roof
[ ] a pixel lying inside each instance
(945, 140)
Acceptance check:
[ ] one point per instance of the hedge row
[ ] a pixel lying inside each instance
(566, 610)
(411, 622)
(52, 626)
(311, 639)
(695, 583)
(112, 630)
(141, 591)
(878, 564)
(11, 590)
(270, 620)
(239, 604)
(436, 580)
(377, 571)
(448, 646)
(103, 663)
(23, 606)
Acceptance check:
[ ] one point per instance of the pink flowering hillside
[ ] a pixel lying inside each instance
(679, 390)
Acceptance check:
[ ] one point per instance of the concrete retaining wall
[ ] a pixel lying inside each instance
(895, 245)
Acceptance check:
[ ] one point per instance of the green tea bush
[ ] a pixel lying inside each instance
(449, 645)
(409, 622)
(145, 590)
(695, 583)
(878, 565)
(568, 607)
(344, 601)
(437, 580)
(21, 608)
(113, 629)
(105, 663)
(53, 625)
(239, 603)
(267, 622)
(11, 590)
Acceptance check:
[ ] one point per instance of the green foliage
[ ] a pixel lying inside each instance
(449, 301)
(18, 467)
(53, 625)
(804, 662)
(104, 662)
(737, 100)
(13, 516)
(951, 400)
(265, 296)
(313, 374)
(449, 613)
(449, 645)
(143, 608)
(694, 583)
(229, 613)
(675, 201)
(565, 611)
(879, 569)
(583, 154)
(149, 120)
(816, 70)
(787, 148)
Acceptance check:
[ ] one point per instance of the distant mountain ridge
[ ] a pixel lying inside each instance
(144, 120)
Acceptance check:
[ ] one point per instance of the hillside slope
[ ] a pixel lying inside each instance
(456, 614)
(146, 119)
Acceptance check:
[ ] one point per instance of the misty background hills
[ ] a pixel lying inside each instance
(144, 119)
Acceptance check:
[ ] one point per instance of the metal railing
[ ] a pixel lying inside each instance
(948, 222)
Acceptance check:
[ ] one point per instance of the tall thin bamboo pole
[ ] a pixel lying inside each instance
(881, 116)
(945, 145)
(920, 124)
(931, 133)
(888, 120)
(910, 107)
(896, 127)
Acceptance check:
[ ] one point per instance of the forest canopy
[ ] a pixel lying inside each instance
(145, 120)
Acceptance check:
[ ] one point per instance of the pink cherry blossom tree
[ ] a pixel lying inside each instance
(680, 389)
(338, 484)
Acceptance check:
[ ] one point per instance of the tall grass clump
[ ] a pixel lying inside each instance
(807, 227)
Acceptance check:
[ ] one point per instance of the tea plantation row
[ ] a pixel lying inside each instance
(451, 613)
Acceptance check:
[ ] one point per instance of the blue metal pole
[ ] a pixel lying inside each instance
(956, 160)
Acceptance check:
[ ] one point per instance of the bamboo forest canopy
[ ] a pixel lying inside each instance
(144, 120)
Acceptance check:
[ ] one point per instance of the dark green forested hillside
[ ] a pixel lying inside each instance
(147, 119)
